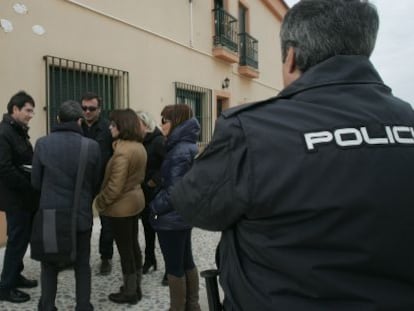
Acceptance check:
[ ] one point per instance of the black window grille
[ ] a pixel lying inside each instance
(69, 79)
(248, 51)
(225, 30)
(200, 102)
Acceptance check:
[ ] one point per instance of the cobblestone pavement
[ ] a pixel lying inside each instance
(155, 297)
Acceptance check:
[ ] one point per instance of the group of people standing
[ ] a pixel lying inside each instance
(312, 189)
(130, 168)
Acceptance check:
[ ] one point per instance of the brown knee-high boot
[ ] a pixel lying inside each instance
(191, 277)
(177, 288)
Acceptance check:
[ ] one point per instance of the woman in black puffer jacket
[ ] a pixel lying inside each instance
(174, 235)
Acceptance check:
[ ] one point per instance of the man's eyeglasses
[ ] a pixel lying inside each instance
(164, 120)
(90, 108)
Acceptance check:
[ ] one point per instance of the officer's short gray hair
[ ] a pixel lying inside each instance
(320, 29)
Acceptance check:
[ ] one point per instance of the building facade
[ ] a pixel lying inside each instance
(210, 54)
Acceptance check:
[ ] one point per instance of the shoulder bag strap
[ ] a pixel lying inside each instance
(79, 181)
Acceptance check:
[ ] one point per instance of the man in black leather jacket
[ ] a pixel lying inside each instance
(312, 189)
(18, 199)
(96, 127)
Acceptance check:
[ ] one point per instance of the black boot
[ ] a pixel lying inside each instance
(14, 295)
(106, 267)
(23, 282)
(139, 291)
(148, 263)
(128, 294)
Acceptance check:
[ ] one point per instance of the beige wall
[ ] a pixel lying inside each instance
(148, 38)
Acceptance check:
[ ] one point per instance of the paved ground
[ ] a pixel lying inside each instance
(155, 296)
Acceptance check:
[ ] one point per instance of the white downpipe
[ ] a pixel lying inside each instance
(191, 23)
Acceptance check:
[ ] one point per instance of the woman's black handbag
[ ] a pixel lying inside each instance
(53, 238)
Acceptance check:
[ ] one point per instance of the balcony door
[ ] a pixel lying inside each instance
(242, 18)
(218, 4)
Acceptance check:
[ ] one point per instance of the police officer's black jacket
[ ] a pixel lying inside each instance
(313, 191)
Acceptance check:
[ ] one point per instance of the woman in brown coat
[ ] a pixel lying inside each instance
(121, 198)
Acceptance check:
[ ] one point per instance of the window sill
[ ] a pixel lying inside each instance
(225, 54)
(249, 72)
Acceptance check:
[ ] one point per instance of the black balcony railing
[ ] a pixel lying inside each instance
(225, 30)
(248, 50)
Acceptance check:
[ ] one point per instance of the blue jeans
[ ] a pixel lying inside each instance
(177, 252)
(19, 229)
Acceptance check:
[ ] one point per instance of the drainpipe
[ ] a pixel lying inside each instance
(191, 23)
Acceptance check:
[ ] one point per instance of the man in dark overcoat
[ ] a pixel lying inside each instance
(55, 165)
(18, 199)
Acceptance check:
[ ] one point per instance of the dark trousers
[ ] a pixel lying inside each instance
(106, 238)
(177, 252)
(125, 230)
(19, 227)
(149, 235)
(49, 277)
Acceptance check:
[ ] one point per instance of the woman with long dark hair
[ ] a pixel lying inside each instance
(174, 235)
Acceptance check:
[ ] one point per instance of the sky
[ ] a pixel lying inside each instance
(393, 55)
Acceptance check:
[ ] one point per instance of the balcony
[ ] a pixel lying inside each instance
(248, 64)
(225, 40)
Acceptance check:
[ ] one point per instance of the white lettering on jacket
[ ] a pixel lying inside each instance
(352, 136)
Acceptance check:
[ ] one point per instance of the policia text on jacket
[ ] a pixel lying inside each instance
(351, 137)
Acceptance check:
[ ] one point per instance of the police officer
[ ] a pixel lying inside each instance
(312, 189)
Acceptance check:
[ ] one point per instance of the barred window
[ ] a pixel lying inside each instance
(200, 102)
(69, 79)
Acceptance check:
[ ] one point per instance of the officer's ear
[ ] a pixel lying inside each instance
(290, 71)
(291, 60)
